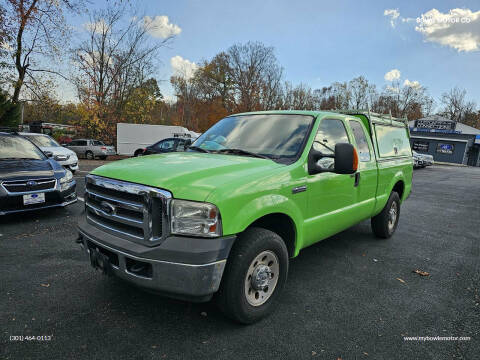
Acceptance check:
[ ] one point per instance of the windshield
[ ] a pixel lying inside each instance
(97, 143)
(42, 140)
(15, 147)
(279, 137)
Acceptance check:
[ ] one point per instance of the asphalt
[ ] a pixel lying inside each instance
(351, 296)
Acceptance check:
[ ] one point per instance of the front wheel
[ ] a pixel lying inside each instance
(254, 277)
(89, 155)
(385, 223)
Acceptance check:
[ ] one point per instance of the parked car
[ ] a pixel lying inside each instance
(417, 160)
(65, 157)
(427, 159)
(29, 180)
(168, 145)
(90, 148)
(254, 190)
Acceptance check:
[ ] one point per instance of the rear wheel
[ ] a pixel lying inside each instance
(138, 152)
(254, 277)
(385, 223)
(103, 157)
(89, 155)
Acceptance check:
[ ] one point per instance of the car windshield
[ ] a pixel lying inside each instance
(97, 143)
(42, 140)
(16, 147)
(277, 136)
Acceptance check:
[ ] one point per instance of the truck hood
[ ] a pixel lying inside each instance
(188, 175)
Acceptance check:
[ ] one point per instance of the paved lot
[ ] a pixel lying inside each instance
(350, 297)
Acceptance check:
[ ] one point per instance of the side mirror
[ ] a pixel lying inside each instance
(346, 160)
(48, 154)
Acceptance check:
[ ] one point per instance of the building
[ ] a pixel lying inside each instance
(445, 139)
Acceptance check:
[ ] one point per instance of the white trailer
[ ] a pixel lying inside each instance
(133, 138)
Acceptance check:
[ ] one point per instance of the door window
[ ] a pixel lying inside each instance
(167, 145)
(330, 132)
(361, 140)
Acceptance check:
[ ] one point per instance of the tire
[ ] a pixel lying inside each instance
(385, 223)
(89, 155)
(259, 251)
(103, 157)
(138, 152)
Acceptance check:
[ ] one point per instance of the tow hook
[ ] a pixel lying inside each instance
(79, 239)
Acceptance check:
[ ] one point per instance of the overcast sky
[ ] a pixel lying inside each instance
(432, 43)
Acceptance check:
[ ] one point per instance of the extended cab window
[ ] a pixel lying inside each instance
(361, 140)
(330, 132)
(392, 141)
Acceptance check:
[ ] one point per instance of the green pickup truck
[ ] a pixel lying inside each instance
(224, 217)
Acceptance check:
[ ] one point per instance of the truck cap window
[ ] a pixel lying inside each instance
(361, 140)
(278, 137)
(392, 141)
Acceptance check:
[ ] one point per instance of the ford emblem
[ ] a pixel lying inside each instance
(31, 183)
(107, 207)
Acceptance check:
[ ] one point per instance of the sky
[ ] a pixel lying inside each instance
(432, 43)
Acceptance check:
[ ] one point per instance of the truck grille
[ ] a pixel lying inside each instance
(22, 186)
(131, 211)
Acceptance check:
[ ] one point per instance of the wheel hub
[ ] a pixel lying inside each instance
(261, 277)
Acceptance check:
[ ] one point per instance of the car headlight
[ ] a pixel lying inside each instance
(195, 218)
(66, 180)
(61, 157)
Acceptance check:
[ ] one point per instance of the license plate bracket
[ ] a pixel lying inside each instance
(37, 198)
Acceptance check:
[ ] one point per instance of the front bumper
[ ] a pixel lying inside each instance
(180, 267)
(13, 203)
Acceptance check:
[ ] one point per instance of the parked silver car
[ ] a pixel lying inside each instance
(90, 148)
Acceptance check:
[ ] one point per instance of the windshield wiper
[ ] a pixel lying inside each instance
(243, 152)
(197, 148)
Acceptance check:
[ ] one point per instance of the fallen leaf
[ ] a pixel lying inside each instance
(365, 353)
(363, 254)
(45, 285)
(314, 353)
(420, 272)
(203, 313)
(375, 260)
(401, 280)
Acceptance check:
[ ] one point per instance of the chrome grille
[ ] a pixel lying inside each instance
(29, 185)
(132, 211)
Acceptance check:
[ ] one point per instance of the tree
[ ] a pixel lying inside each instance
(113, 64)
(38, 29)
(9, 111)
(255, 75)
(455, 105)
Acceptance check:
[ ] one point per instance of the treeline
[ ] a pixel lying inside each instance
(247, 77)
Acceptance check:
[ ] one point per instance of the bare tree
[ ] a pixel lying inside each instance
(38, 30)
(117, 57)
(254, 72)
(455, 105)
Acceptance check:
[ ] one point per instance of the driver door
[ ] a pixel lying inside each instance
(331, 197)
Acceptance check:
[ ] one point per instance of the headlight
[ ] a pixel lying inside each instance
(61, 157)
(195, 218)
(66, 180)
